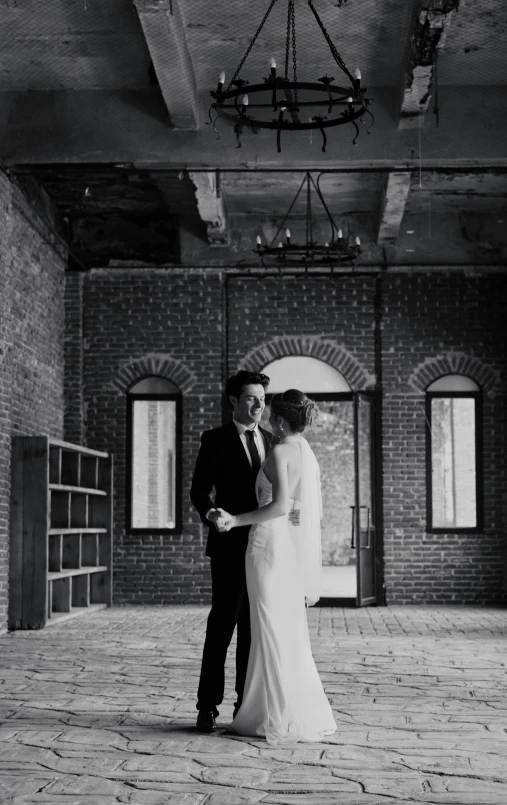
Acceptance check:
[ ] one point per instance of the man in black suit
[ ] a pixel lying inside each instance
(228, 461)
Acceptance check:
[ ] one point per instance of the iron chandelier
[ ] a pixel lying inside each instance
(337, 251)
(284, 103)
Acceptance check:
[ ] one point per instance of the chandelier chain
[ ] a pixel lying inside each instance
(323, 202)
(336, 56)
(250, 46)
(294, 60)
(287, 214)
(287, 40)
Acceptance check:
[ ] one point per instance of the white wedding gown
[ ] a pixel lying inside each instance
(283, 699)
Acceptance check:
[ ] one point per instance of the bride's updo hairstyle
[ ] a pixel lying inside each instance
(295, 408)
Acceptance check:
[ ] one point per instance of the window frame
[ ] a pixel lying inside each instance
(132, 398)
(479, 501)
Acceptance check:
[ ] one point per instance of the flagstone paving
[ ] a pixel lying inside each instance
(101, 710)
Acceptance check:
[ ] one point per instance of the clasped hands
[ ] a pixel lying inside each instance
(223, 521)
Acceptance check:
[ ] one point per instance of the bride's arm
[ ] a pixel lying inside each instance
(279, 506)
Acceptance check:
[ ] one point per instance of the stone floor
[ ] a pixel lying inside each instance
(100, 710)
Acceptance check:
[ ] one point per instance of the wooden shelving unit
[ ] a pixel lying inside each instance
(61, 531)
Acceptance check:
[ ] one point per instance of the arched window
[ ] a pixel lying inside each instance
(453, 455)
(153, 429)
(304, 373)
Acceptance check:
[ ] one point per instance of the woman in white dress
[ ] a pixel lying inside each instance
(284, 699)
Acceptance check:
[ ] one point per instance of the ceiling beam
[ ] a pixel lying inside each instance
(164, 31)
(211, 206)
(427, 38)
(91, 126)
(394, 198)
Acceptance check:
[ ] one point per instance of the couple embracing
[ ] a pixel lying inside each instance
(265, 556)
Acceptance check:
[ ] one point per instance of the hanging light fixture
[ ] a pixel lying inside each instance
(286, 253)
(284, 103)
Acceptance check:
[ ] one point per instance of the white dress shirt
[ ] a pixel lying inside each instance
(259, 441)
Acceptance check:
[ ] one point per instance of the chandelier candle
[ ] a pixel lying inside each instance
(287, 235)
(272, 64)
(221, 82)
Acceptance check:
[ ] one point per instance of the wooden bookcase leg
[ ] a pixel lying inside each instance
(50, 598)
(16, 541)
(35, 532)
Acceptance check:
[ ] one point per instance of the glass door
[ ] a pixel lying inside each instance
(342, 439)
(363, 513)
(332, 440)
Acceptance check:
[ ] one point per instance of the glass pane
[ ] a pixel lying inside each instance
(302, 372)
(154, 385)
(366, 518)
(332, 440)
(453, 383)
(453, 462)
(154, 464)
(365, 498)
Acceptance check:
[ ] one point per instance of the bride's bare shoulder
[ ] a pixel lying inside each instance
(283, 451)
(279, 452)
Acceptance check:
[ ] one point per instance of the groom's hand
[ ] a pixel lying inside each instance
(220, 519)
(214, 515)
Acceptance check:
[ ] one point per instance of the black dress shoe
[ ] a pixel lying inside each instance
(205, 721)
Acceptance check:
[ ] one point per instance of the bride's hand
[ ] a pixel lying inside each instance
(225, 522)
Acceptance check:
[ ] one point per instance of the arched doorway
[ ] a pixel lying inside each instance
(342, 440)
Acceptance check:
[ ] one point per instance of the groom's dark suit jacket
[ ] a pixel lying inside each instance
(222, 464)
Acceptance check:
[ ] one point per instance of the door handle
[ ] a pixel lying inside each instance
(368, 527)
(352, 543)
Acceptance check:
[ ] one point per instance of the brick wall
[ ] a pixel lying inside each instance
(74, 414)
(439, 324)
(136, 319)
(136, 323)
(333, 311)
(31, 344)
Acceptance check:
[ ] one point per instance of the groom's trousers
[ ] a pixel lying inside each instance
(229, 608)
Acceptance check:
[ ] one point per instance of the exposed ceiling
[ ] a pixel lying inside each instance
(105, 105)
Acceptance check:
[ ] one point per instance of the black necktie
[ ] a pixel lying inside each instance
(254, 453)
